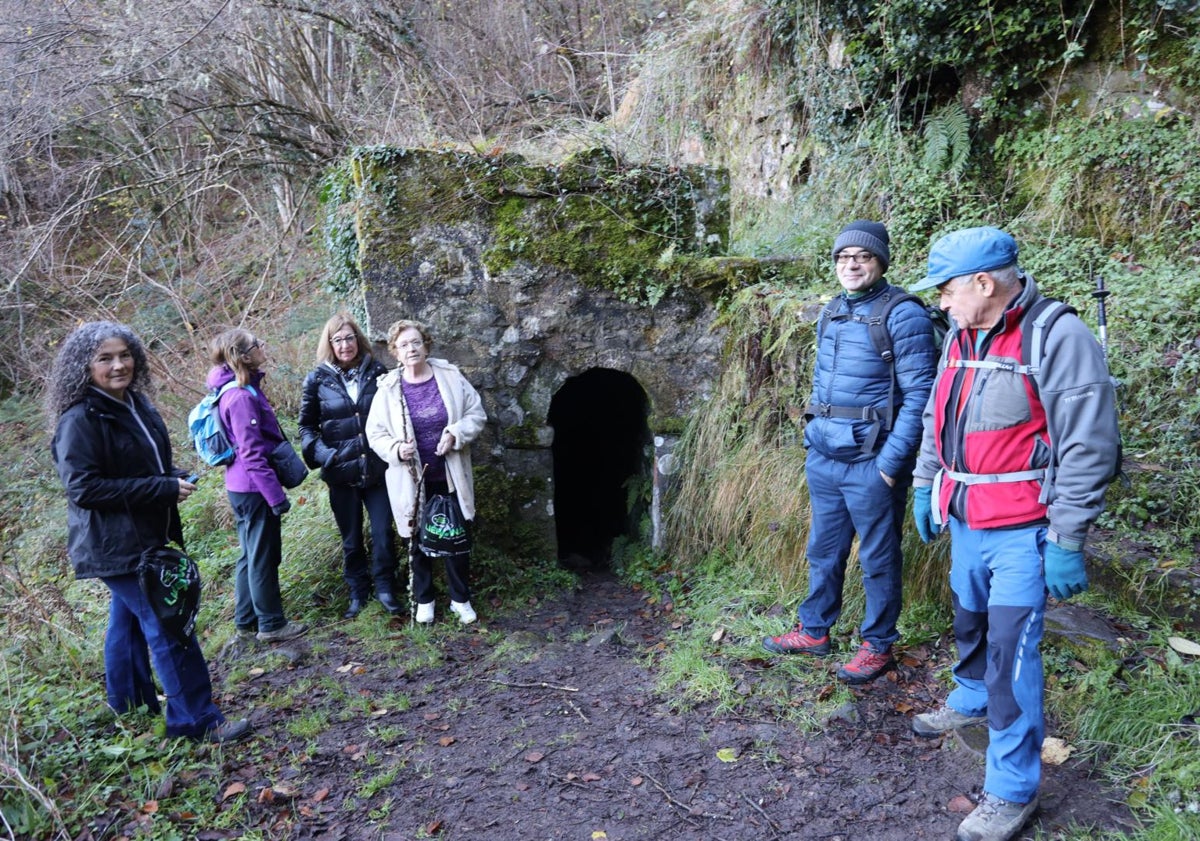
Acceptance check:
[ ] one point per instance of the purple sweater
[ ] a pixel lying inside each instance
(253, 429)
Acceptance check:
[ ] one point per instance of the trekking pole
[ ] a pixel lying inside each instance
(1100, 293)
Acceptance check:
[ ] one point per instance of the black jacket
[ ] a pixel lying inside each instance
(122, 490)
(332, 435)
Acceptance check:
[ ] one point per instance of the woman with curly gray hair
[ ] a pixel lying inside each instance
(113, 454)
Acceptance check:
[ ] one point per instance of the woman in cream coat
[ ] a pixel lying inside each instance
(422, 422)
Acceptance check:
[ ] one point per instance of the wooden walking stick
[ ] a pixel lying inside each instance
(414, 516)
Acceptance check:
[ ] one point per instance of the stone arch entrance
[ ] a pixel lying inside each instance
(600, 443)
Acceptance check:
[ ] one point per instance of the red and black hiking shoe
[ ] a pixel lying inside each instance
(867, 665)
(796, 641)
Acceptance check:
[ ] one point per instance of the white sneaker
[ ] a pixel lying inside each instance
(425, 613)
(466, 613)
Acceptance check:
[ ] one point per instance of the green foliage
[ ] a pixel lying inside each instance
(1109, 177)
(339, 236)
(948, 141)
(985, 51)
(1136, 715)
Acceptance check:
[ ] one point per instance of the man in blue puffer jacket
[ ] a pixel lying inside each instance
(864, 427)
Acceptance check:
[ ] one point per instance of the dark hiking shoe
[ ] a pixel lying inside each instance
(796, 641)
(228, 731)
(867, 665)
(355, 607)
(996, 819)
(289, 631)
(942, 721)
(389, 603)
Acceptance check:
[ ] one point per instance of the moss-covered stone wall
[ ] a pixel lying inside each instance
(528, 275)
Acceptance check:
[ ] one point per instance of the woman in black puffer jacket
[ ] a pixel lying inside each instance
(333, 411)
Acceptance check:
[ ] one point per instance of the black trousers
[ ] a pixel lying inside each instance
(348, 503)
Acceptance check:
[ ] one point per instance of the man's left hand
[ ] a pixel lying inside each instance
(1066, 574)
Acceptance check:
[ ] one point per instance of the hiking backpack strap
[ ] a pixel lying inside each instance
(1035, 322)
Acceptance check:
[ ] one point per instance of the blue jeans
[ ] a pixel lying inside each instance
(849, 498)
(135, 639)
(999, 609)
(347, 503)
(257, 601)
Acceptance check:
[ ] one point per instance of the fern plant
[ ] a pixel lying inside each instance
(948, 141)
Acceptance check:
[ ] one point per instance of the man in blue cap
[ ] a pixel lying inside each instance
(864, 426)
(1020, 442)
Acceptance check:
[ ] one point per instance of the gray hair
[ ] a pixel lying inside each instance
(1006, 277)
(70, 375)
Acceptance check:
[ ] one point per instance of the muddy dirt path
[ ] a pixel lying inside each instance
(544, 723)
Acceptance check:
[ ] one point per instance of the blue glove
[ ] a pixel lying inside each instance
(923, 514)
(1065, 572)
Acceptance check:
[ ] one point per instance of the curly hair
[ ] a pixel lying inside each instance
(399, 327)
(231, 349)
(70, 375)
(333, 325)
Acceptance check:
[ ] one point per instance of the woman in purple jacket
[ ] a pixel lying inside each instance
(255, 494)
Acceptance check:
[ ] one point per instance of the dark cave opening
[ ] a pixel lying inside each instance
(600, 457)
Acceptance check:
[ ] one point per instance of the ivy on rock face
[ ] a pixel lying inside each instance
(918, 54)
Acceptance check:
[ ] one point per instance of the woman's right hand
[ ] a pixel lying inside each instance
(406, 450)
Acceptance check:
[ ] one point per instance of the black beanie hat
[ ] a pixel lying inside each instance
(872, 236)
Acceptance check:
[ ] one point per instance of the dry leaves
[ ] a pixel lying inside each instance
(960, 805)
(1184, 646)
(1055, 751)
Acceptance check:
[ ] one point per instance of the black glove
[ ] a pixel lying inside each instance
(282, 508)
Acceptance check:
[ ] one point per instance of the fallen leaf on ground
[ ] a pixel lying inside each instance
(233, 789)
(591, 778)
(1184, 646)
(446, 741)
(960, 805)
(257, 671)
(320, 795)
(349, 667)
(599, 835)
(727, 755)
(637, 781)
(534, 756)
(1055, 751)
(718, 635)
(150, 807)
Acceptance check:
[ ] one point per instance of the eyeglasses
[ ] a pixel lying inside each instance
(257, 343)
(861, 257)
(344, 340)
(415, 344)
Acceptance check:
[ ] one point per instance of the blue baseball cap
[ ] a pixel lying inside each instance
(966, 252)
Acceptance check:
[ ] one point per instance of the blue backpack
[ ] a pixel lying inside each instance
(208, 435)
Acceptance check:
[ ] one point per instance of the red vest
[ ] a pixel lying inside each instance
(992, 437)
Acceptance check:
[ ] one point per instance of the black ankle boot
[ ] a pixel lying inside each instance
(355, 608)
(389, 603)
